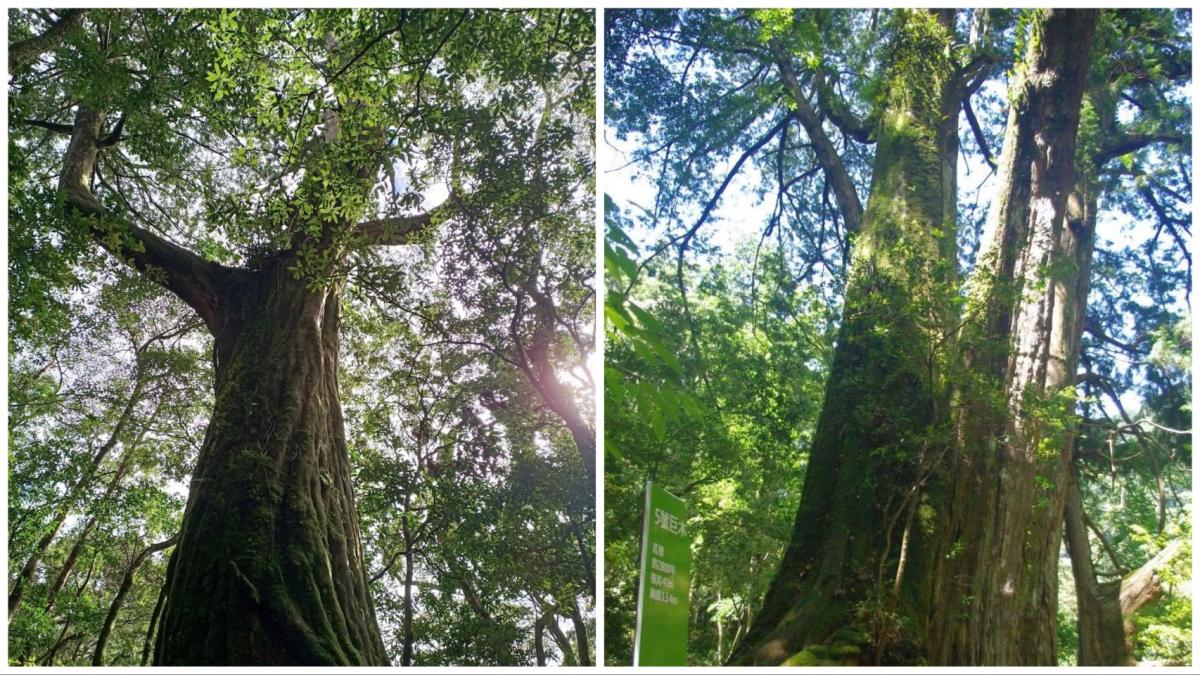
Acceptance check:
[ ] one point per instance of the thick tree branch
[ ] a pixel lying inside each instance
(52, 126)
(827, 155)
(401, 230)
(114, 136)
(840, 114)
(200, 283)
(22, 54)
(1143, 585)
(1132, 143)
(1093, 328)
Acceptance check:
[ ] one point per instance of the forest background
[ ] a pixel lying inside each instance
(385, 214)
(739, 154)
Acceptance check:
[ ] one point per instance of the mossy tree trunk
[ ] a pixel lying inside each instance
(995, 571)
(929, 525)
(853, 584)
(269, 566)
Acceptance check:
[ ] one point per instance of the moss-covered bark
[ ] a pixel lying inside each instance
(995, 570)
(853, 584)
(269, 567)
(929, 526)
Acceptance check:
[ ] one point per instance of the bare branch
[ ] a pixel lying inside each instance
(978, 132)
(1133, 143)
(52, 126)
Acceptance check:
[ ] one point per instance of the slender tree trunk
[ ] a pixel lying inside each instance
(1101, 627)
(73, 555)
(539, 369)
(587, 561)
(581, 636)
(407, 655)
(64, 509)
(119, 599)
(995, 600)
(539, 634)
(269, 568)
(149, 641)
(48, 658)
(871, 450)
(560, 638)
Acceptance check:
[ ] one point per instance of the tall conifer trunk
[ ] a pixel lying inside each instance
(996, 569)
(929, 526)
(857, 553)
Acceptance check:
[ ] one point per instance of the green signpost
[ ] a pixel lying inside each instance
(661, 636)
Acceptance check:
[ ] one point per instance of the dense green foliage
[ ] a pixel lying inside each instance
(717, 352)
(238, 134)
(723, 426)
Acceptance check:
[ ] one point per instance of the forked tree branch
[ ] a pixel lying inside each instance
(200, 283)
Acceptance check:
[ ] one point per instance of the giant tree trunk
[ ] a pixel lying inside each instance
(269, 568)
(995, 599)
(857, 555)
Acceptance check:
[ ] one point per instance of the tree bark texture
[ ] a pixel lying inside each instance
(841, 572)
(995, 570)
(269, 567)
(270, 534)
